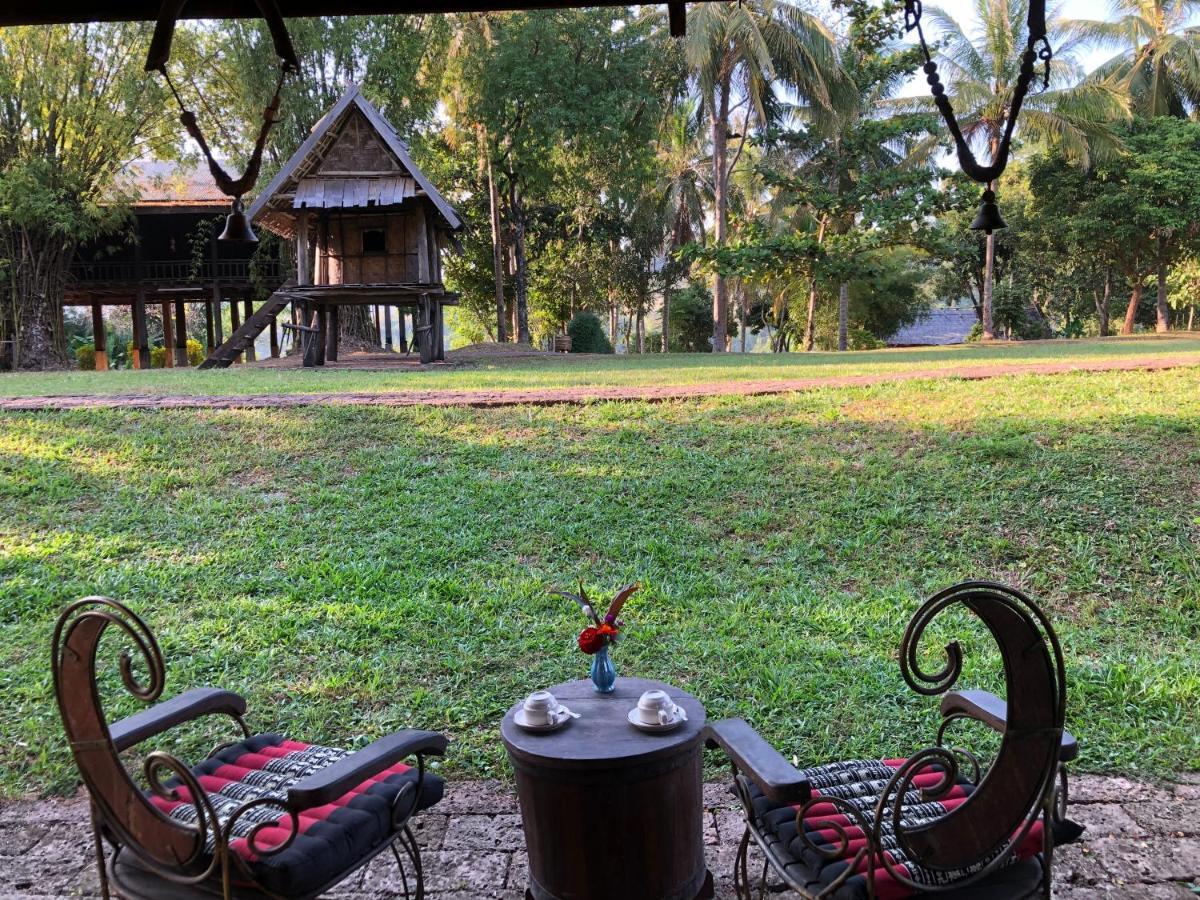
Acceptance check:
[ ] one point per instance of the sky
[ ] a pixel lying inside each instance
(964, 12)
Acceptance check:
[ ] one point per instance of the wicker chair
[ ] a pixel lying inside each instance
(261, 817)
(937, 822)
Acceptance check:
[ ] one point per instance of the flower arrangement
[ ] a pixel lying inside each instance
(597, 637)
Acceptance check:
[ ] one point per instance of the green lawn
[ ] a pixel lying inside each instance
(357, 570)
(647, 369)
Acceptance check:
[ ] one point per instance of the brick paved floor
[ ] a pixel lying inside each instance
(1142, 843)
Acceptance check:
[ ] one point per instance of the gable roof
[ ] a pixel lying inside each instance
(305, 161)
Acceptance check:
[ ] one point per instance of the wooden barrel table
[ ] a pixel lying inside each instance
(611, 812)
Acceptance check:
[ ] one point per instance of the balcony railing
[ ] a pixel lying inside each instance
(177, 271)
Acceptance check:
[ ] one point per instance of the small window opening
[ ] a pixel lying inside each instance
(374, 240)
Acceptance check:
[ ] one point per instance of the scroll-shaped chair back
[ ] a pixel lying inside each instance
(999, 813)
(122, 807)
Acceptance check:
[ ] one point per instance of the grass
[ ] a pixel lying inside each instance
(358, 570)
(647, 369)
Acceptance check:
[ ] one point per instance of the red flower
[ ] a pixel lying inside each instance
(591, 640)
(608, 630)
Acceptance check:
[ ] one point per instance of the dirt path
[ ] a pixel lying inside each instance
(583, 393)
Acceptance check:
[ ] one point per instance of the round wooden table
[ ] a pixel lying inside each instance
(610, 812)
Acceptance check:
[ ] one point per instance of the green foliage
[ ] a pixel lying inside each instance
(85, 357)
(864, 500)
(587, 334)
(195, 354)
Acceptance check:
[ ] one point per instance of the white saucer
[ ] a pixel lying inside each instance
(636, 721)
(561, 717)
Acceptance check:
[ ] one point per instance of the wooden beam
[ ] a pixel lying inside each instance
(99, 340)
(302, 276)
(141, 343)
(181, 357)
(387, 326)
(220, 315)
(251, 356)
(210, 333)
(274, 337)
(235, 321)
(331, 341)
(423, 274)
(401, 327)
(168, 337)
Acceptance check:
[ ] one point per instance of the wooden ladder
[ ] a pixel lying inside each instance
(242, 339)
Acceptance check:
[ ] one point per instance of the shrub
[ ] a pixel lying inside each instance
(85, 355)
(195, 354)
(587, 334)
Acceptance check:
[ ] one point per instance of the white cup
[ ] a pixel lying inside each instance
(541, 708)
(656, 708)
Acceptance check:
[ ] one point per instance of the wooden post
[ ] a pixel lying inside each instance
(439, 335)
(220, 316)
(99, 339)
(274, 337)
(322, 331)
(387, 326)
(378, 329)
(302, 249)
(401, 328)
(141, 343)
(168, 337)
(424, 329)
(235, 322)
(331, 339)
(250, 354)
(210, 333)
(181, 357)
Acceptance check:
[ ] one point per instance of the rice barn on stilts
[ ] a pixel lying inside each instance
(368, 229)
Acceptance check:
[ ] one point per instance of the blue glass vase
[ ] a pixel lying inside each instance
(604, 673)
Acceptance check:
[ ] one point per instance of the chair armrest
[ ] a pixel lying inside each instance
(333, 781)
(762, 763)
(166, 715)
(986, 707)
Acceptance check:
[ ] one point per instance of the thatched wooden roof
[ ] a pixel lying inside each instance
(353, 159)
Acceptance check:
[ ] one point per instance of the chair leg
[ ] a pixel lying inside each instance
(101, 867)
(408, 841)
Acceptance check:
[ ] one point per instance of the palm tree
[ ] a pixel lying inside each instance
(1159, 60)
(682, 190)
(980, 70)
(737, 53)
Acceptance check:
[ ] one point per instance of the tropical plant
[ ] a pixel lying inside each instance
(1158, 63)
(739, 55)
(980, 69)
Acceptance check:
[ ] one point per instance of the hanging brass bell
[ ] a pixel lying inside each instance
(988, 219)
(237, 226)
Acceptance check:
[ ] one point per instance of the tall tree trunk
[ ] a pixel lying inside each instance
(1135, 299)
(742, 315)
(666, 320)
(38, 262)
(810, 322)
(719, 116)
(989, 278)
(522, 278)
(641, 327)
(1162, 309)
(497, 244)
(1102, 305)
(843, 315)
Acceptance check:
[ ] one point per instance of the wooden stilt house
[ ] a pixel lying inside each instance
(369, 229)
